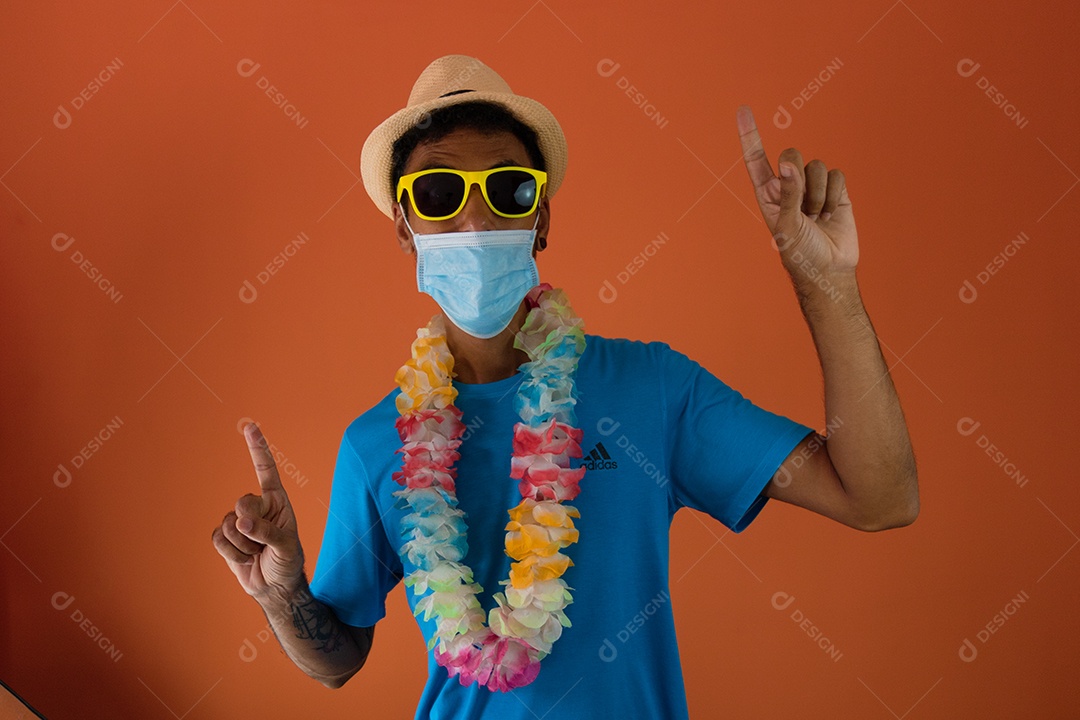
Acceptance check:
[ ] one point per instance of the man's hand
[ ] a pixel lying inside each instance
(261, 546)
(809, 213)
(258, 539)
(864, 474)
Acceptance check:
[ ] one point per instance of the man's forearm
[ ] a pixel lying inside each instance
(313, 637)
(871, 451)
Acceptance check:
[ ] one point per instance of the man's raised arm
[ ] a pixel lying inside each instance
(865, 476)
(260, 544)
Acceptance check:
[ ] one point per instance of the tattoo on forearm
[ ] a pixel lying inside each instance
(313, 621)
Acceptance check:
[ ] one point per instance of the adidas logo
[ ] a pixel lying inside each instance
(598, 459)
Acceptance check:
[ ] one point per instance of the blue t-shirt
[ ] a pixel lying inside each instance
(659, 433)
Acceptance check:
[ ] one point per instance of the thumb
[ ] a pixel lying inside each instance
(791, 189)
(265, 532)
(791, 219)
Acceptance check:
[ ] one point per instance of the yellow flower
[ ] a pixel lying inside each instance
(423, 387)
(544, 512)
(522, 574)
(539, 528)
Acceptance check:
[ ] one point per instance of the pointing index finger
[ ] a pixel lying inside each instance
(262, 458)
(757, 162)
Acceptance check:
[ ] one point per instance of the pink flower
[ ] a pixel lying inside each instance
(532, 298)
(536, 468)
(502, 664)
(422, 476)
(438, 451)
(551, 437)
(423, 425)
(564, 487)
(542, 479)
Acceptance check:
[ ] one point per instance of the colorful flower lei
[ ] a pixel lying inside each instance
(505, 652)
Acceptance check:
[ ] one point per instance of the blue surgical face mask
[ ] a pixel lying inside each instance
(478, 278)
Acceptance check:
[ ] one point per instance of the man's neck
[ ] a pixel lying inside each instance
(479, 360)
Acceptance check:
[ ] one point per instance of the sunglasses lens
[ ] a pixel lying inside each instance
(438, 194)
(512, 192)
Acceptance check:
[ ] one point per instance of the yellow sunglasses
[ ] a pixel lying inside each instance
(440, 193)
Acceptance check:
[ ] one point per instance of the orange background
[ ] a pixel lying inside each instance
(180, 179)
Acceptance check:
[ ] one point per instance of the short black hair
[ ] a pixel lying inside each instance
(480, 115)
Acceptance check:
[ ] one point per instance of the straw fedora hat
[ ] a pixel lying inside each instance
(450, 80)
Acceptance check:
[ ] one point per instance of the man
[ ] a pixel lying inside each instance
(466, 172)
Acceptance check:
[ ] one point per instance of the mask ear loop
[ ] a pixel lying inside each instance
(543, 241)
(406, 219)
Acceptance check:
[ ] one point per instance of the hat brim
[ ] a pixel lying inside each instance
(376, 157)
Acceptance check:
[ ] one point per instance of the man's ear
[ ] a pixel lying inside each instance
(543, 226)
(401, 231)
